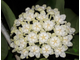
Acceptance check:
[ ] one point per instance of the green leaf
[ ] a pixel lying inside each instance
(76, 59)
(10, 56)
(36, 59)
(75, 48)
(51, 3)
(8, 14)
(43, 59)
(72, 18)
(60, 5)
(4, 47)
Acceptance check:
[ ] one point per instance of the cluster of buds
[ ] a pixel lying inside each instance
(41, 30)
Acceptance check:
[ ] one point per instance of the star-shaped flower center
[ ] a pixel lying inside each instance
(26, 28)
(24, 51)
(37, 26)
(46, 49)
(32, 37)
(34, 50)
(59, 50)
(59, 30)
(48, 25)
(65, 39)
(43, 37)
(55, 41)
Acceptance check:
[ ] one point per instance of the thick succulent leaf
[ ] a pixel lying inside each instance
(75, 48)
(76, 59)
(4, 47)
(72, 18)
(10, 56)
(43, 59)
(60, 5)
(8, 14)
(54, 4)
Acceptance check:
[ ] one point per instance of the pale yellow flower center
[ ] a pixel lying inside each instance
(32, 37)
(55, 41)
(43, 37)
(59, 30)
(34, 50)
(46, 49)
(48, 25)
(37, 26)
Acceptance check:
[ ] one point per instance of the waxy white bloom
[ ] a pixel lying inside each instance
(24, 53)
(25, 28)
(48, 25)
(29, 15)
(36, 26)
(69, 29)
(42, 16)
(55, 42)
(60, 30)
(18, 35)
(60, 51)
(41, 30)
(20, 43)
(46, 50)
(40, 8)
(32, 38)
(17, 22)
(56, 12)
(34, 50)
(43, 37)
(60, 18)
(13, 45)
(67, 40)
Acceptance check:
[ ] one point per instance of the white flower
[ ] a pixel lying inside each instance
(46, 50)
(18, 35)
(48, 25)
(60, 30)
(43, 37)
(24, 53)
(25, 28)
(60, 51)
(42, 16)
(17, 22)
(20, 43)
(29, 15)
(69, 29)
(41, 30)
(49, 9)
(27, 9)
(72, 30)
(13, 45)
(40, 8)
(67, 39)
(55, 42)
(34, 50)
(60, 18)
(36, 26)
(56, 12)
(32, 38)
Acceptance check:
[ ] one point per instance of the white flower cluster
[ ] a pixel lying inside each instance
(41, 30)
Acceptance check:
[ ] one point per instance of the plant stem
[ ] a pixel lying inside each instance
(7, 36)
